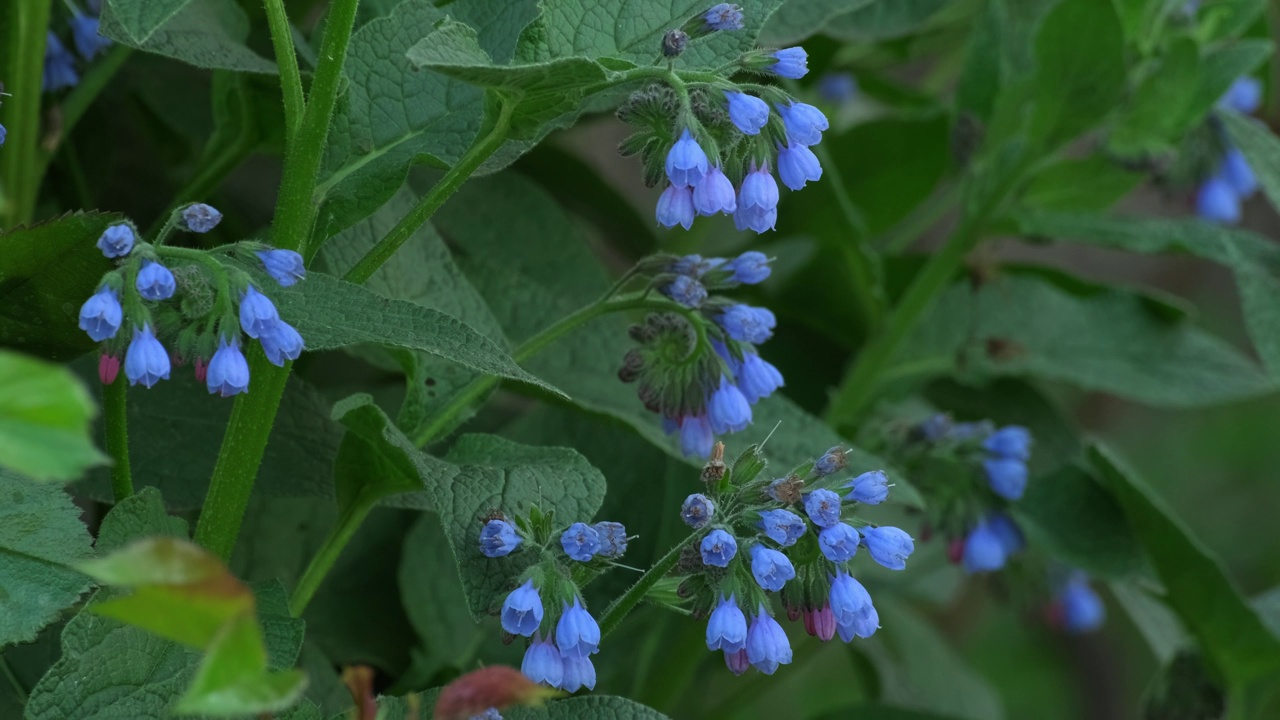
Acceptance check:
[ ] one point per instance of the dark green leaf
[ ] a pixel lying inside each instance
(436, 601)
(587, 707)
(1261, 147)
(1080, 69)
(1092, 183)
(141, 18)
(1153, 618)
(45, 415)
(796, 20)
(1221, 67)
(209, 34)
(1160, 110)
(1078, 522)
(1229, 18)
(883, 19)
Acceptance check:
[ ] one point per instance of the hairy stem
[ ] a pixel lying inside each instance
(115, 424)
(480, 150)
(27, 24)
(632, 597)
(287, 61)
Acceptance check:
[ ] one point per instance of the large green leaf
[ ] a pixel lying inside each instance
(882, 19)
(587, 707)
(1160, 110)
(141, 18)
(796, 20)
(1229, 18)
(47, 271)
(1262, 148)
(45, 415)
(41, 538)
(1207, 600)
(209, 34)
(1078, 522)
(1080, 69)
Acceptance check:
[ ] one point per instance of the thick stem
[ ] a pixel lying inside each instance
(115, 424)
(287, 61)
(632, 597)
(28, 24)
(348, 523)
(479, 151)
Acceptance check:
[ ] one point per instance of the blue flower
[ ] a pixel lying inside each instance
(490, 714)
(757, 201)
(770, 568)
(871, 488)
(757, 378)
(201, 218)
(155, 282)
(3, 133)
(935, 427)
(1217, 201)
(745, 323)
(686, 291)
(59, 66)
(522, 611)
(498, 539)
(228, 372)
(1244, 95)
(101, 315)
(686, 162)
(84, 33)
(832, 461)
(1011, 441)
(851, 604)
(146, 361)
(748, 112)
(258, 315)
(579, 673)
(839, 543)
(116, 241)
(983, 550)
(1007, 477)
(1236, 171)
(767, 644)
(543, 664)
(282, 343)
(1007, 532)
(728, 409)
(696, 438)
(285, 266)
(797, 165)
(889, 546)
(750, 268)
(723, 16)
(782, 526)
(577, 633)
(804, 123)
(823, 507)
(675, 207)
(838, 87)
(792, 62)
(1082, 609)
(714, 194)
(613, 539)
(718, 548)
(966, 431)
(727, 627)
(580, 541)
(697, 510)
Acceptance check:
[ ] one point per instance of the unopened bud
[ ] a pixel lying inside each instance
(673, 43)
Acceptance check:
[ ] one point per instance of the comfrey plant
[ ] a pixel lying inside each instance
(1231, 180)
(204, 313)
(60, 71)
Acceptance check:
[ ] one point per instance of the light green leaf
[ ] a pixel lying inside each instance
(1261, 147)
(45, 414)
(1208, 601)
(883, 20)
(208, 34)
(796, 20)
(1160, 110)
(41, 538)
(1092, 183)
(1080, 69)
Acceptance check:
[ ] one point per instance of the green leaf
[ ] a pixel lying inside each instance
(587, 707)
(1153, 618)
(1159, 112)
(1229, 18)
(1080, 69)
(1078, 522)
(41, 538)
(1221, 67)
(1096, 338)
(883, 20)
(208, 34)
(47, 271)
(45, 416)
(796, 20)
(1207, 600)
(885, 712)
(1091, 183)
(1261, 147)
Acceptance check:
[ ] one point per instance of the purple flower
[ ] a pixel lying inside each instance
(685, 291)
(757, 378)
(498, 539)
(805, 123)
(258, 315)
(889, 546)
(282, 343)
(686, 162)
(1244, 95)
(871, 488)
(1082, 609)
(577, 633)
(613, 539)
(792, 62)
(749, 268)
(146, 361)
(1218, 202)
(697, 510)
(696, 438)
(201, 218)
(101, 315)
(797, 165)
(767, 644)
(723, 16)
(839, 543)
(155, 282)
(522, 611)
(1011, 441)
(116, 241)
(84, 33)
(757, 201)
(823, 507)
(728, 409)
(748, 112)
(983, 550)
(1007, 477)
(770, 568)
(675, 207)
(727, 627)
(59, 66)
(1236, 171)
(745, 323)
(285, 266)
(543, 664)
(718, 548)
(782, 526)
(580, 541)
(579, 673)
(228, 372)
(714, 194)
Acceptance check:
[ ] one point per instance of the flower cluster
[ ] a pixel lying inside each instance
(217, 303)
(793, 535)
(59, 64)
(718, 143)
(700, 369)
(563, 639)
(1220, 196)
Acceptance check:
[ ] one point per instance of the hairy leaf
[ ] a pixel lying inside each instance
(1080, 69)
(209, 34)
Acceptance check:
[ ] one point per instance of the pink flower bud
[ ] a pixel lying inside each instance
(108, 368)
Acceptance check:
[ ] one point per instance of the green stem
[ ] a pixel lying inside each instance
(480, 150)
(632, 597)
(28, 22)
(348, 523)
(924, 216)
(115, 423)
(254, 413)
(287, 61)
(81, 97)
